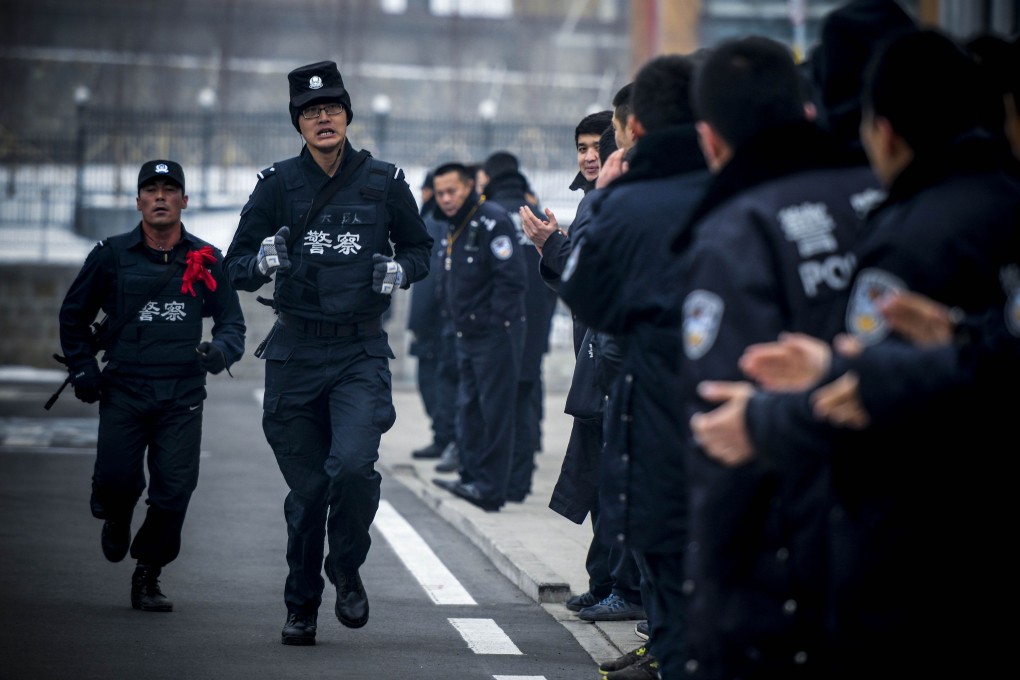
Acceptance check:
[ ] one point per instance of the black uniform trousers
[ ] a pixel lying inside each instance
(324, 413)
(164, 418)
(487, 394)
(437, 379)
(527, 423)
(662, 585)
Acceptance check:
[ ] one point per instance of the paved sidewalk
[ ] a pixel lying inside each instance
(536, 548)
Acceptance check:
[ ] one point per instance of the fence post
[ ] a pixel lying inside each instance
(81, 99)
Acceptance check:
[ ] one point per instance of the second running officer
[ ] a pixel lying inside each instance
(323, 224)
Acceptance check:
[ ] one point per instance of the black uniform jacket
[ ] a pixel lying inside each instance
(769, 249)
(917, 506)
(623, 280)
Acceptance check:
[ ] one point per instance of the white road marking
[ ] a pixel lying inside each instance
(518, 677)
(417, 556)
(259, 394)
(484, 636)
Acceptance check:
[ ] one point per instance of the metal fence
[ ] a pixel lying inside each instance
(72, 177)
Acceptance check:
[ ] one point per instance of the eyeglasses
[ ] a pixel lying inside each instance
(312, 112)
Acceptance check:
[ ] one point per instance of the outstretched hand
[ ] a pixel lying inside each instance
(722, 432)
(537, 229)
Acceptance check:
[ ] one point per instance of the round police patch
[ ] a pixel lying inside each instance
(863, 317)
(702, 315)
(502, 247)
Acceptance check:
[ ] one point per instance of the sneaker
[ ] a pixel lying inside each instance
(646, 669)
(579, 602)
(641, 629)
(628, 659)
(613, 608)
(450, 460)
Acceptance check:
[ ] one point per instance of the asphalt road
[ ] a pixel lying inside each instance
(65, 610)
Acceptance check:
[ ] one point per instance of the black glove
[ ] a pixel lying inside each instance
(87, 380)
(387, 275)
(210, 357)
(273, 253)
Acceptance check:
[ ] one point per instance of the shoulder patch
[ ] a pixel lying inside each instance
(702, 316)
(863, 317)
(502, 247)
(268, 172)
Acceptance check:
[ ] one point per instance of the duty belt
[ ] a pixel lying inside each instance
(325, 329)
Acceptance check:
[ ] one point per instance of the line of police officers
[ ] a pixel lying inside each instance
(822, 552)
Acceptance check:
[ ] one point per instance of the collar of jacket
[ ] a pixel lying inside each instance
(974, 151)
(309, 165)
(778, 152)
(581, 183)
(666, 152)
(138, 238)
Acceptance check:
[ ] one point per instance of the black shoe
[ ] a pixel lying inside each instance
(450, 460)
(579, 602)
(299, 629)
(629, 659)
(433, 450)
(641, 629)
(145, 592)
(116, 539)
(472, 495)
(646, 669)
(446, 484)
(351, 599)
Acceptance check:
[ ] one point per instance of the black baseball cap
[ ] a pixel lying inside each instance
(318, 82)
(161, 169)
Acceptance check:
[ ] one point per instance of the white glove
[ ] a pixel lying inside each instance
(273, 253)
(387, 274)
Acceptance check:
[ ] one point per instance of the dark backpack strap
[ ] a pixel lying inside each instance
(380, 174)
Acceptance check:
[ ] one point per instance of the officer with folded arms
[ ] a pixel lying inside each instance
(321, 224)
(155, 283)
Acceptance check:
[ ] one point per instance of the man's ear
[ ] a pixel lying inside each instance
(715, 149)
(635, 128)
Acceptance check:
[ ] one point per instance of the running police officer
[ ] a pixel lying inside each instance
(154, 283)
(322, 223)
(484, 283)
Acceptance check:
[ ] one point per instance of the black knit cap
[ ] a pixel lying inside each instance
(850, 36)
(500, 163)
(161, 169)
(315, 84)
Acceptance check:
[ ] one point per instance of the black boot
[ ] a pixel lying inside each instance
(351, 599)
(145, 592)
(299, 629)
(116, 539)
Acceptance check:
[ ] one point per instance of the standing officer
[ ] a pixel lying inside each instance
(437, 385)
(509, 188)
(323, 222)
(484, 285)
(151, 391)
